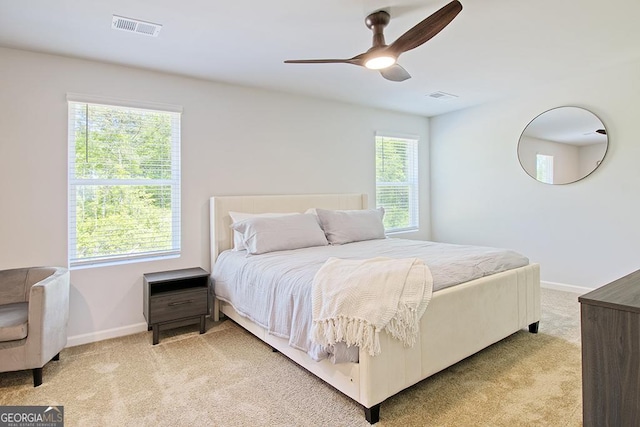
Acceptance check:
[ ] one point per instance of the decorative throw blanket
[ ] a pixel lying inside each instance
(353, 300)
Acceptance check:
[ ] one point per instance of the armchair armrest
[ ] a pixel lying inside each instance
(48, 317)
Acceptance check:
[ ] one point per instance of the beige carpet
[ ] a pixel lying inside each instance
(227, 377)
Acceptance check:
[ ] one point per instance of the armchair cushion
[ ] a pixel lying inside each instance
(13, 321)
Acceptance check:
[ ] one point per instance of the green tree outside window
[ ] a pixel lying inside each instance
(124, 182)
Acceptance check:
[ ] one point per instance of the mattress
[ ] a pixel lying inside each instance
(274, 289)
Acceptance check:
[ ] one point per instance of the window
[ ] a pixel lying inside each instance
(397, 182)
(124, 183)
(544, 168)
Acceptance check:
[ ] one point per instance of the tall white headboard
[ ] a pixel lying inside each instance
(220, 222)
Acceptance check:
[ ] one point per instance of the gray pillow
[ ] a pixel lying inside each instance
(268, 234)
(238, 245)
(351, 226)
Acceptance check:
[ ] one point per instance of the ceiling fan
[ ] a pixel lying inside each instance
(384, 57)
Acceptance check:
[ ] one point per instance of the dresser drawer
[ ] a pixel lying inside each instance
(178, 305)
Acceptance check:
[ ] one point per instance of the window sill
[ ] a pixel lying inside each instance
(115, 262)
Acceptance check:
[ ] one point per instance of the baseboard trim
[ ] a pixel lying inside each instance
(564, 287)
(106, 334)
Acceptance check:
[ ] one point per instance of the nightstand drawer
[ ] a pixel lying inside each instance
(177, 305)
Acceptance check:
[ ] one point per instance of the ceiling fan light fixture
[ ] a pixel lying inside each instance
(380, 62)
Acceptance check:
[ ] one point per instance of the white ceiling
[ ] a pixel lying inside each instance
(568, 125)
(492, 49)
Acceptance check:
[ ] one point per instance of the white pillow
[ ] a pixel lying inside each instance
(238, 245)
(351, 226)
(280, 233)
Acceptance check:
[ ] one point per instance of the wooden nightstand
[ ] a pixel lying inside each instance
(175, 298)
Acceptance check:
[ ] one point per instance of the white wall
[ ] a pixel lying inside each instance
(583, 234)
(591, 156)
(235, 140)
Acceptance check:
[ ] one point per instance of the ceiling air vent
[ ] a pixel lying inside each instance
(135, 26)
(442, 95)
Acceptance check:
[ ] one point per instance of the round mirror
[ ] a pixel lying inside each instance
(562, 145)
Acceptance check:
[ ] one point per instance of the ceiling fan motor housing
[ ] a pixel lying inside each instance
(376, 23)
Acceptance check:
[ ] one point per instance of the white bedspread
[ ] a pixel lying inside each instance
(274, 289)
(354, 300)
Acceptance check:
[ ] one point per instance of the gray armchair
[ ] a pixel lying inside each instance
(34, 312)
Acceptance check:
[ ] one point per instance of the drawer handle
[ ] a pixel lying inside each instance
(171, 304)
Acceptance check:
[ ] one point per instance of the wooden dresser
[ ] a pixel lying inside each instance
(610, 318)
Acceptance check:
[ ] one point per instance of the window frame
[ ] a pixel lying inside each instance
(174, 182)
(413, 180)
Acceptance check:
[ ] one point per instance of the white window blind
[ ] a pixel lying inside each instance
(124, 183)
(397, 182)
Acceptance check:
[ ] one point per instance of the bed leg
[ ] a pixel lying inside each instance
(216, 310)
(372, 414)
(274, 350)
(533, 328)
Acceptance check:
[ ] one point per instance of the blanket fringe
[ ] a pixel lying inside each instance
(359, 332)
(404, 325)
(349, 330)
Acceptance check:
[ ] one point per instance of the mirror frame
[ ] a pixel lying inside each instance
(598, 163)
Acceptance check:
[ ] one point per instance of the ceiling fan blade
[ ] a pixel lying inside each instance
(395, 73)
(426, 29)
(319, 61)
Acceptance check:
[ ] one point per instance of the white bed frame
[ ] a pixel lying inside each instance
(458, 322)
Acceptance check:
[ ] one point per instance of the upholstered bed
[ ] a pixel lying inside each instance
(458, 322)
